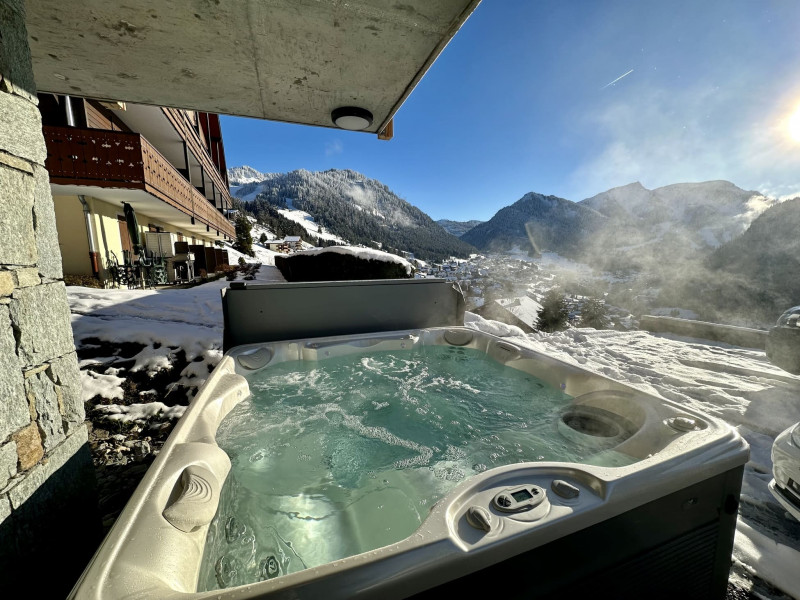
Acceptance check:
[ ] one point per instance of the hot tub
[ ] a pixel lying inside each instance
(643, 505)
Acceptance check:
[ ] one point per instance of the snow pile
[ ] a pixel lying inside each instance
(365, 253)
(106, 385)
(524, 308)
(141, 413)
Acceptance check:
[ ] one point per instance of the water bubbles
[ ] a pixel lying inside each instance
(334, 417)
(270, 568)
(258, 455)
(479, 467)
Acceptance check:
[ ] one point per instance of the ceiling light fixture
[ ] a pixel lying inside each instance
(351, 117)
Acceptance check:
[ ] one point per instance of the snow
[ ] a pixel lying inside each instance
(365, 253)
(771, 561)
(106, 385)
(735, 384)
(307, 221)
(140, 413)
(524, 308)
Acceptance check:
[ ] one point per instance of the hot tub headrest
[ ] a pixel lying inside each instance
(256, 313)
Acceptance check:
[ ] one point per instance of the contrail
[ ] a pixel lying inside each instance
(617, 79)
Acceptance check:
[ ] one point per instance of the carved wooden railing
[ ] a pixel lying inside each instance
(119, 159)
(197, 144)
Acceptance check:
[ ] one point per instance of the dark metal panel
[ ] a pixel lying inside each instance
(287, 311)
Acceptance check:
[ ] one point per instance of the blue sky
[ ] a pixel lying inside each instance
(519, 101)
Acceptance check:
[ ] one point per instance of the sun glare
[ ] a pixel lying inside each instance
(794, 125)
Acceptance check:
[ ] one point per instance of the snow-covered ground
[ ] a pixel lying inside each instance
(736, 384)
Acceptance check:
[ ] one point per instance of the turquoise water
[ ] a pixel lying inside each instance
(337, 457)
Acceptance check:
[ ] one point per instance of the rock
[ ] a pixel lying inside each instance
(16, 204)
(14, 411)
(141, 449)
(41, 315)
(29, 446)
(43, 394)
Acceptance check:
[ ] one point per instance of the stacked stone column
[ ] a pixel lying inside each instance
(45, 467)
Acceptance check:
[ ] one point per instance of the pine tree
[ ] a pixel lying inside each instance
(594, 314)
(263, 238)
(555, 313)
(244, 241)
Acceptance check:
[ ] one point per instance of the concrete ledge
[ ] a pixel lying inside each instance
(728, 334)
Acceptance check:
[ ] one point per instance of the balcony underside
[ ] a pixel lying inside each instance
(287, 60)
(145, 204)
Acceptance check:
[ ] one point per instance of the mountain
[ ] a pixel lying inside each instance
(628, 227)
(547, 222)
(238, 176)
(709, 213)
(351, 206)
(757, 272)
(457, 228)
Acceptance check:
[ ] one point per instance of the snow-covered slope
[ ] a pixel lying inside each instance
(312, 227)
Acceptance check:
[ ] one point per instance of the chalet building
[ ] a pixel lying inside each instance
(165, 164)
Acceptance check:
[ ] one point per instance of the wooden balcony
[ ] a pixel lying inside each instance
(197, 144)
(117, 159)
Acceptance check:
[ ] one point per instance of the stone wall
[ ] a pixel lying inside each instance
(46, 477)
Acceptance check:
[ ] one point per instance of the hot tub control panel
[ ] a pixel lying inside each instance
(519, 499)
(507, 508)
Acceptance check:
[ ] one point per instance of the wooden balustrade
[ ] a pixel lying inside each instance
(197, 145)
(103, 158)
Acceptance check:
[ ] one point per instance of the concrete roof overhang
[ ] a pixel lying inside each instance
(285, 60)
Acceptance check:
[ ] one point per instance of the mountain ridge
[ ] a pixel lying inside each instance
(353, 207)
(626, 223)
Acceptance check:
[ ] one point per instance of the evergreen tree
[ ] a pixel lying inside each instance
(263, 238)
(244, 241)
(594, 314)
(555, 313)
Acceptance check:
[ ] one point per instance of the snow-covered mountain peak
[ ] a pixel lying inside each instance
(245, 174)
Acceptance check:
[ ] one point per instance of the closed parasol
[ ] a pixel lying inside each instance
(133, 228)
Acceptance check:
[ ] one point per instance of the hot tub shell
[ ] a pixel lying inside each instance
(662, 526)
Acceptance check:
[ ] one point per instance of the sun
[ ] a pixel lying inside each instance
(794, 125)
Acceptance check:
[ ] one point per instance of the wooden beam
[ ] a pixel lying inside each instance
(387, 132)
